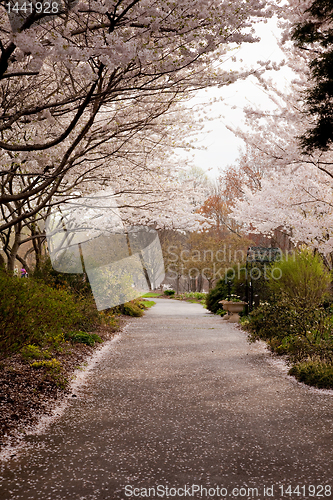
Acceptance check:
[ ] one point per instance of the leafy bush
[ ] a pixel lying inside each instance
(304, 280)
(195, 295)
(296, 323)
(169, 292)
(299, 333)
(33, 313)
(73, 283)
(132, 309)
(84, 338)
(53, 365)
(34, 352)
(314, 373)
(220, 292)
(237, 276)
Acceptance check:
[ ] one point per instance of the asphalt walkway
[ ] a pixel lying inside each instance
(181, 407)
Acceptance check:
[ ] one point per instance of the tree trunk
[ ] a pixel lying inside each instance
(13, 251)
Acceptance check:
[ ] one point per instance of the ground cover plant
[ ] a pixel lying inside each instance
(298, 320)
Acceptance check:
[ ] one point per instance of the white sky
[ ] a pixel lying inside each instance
(221, 145)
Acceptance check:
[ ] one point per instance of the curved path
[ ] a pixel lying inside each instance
(181, 400)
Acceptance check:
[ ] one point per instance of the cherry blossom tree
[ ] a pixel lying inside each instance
(82, 93)
(293, 188)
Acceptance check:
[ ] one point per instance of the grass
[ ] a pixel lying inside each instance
(148, 303)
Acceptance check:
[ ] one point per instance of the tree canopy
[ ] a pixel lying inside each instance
(315, 34)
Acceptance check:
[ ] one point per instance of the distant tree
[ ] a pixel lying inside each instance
(315, 35)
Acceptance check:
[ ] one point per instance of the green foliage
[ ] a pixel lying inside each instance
(71, 282)
(33, 313)
(53, 371)
(52, 365)
(169, 292)
(315, 35)
(298, 333)
(235, 298)
(237, 277)
(315, 373)
(220, 292)
(151, 295)
(132, 309)
(84, 338)
(295, 323)
(31, 351)
(304, 280)
(194, 295)
(221, 312)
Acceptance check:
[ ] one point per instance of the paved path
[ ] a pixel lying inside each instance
(181, 399)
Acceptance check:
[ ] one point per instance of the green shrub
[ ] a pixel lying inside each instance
(315, 373)
(76, 283)
(195, 295)
(33, 313)
(169, 292)
(53, 365)
(219, 292)
(299, 333)
(237, 277)
(304, 280)
(84, 338)
(132, 309)
(34, 352)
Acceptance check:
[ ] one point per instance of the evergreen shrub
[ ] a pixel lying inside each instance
(33, 313)
(315, 373)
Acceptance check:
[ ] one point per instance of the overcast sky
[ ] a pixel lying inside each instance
(222, 147)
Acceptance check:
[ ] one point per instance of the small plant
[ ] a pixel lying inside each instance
(244, 321)
(235, 298)
(53, 365)
(53, 371)
(34, 352)
(221, 312)
(169, 292)
(109, 317)
(84, 338)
